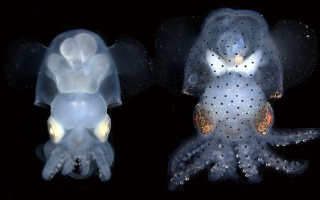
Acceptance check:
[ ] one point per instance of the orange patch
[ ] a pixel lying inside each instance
(264, 119)
(202, 120)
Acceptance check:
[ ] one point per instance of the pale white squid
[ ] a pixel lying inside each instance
(78, 77)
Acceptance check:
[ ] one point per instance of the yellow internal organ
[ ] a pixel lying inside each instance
(103, 128)
(238, 59)
(56, 131)
(202, 121)
(264, 119)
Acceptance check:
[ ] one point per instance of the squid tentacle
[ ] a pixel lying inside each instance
(284, 137)
(68, 165)
(54, 163)
(224, 166)
(248, 163)
(102, 163)
(186, 150)
(185, 173)
(84, 165)
(187, 162)
(272, 160)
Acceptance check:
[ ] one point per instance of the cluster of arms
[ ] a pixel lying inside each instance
(235, 65)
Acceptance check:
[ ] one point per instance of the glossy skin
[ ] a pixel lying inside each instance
(237, 68)
(78, 78)
(75, 67)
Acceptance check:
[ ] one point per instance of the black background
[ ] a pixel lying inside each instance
(141, 152)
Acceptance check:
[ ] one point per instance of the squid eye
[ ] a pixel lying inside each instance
(202, 120)
(56, 131)
(264, 119)
(102, 129)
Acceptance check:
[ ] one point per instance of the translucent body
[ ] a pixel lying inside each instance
(78, 78)
(237, 67)
(76, 64)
